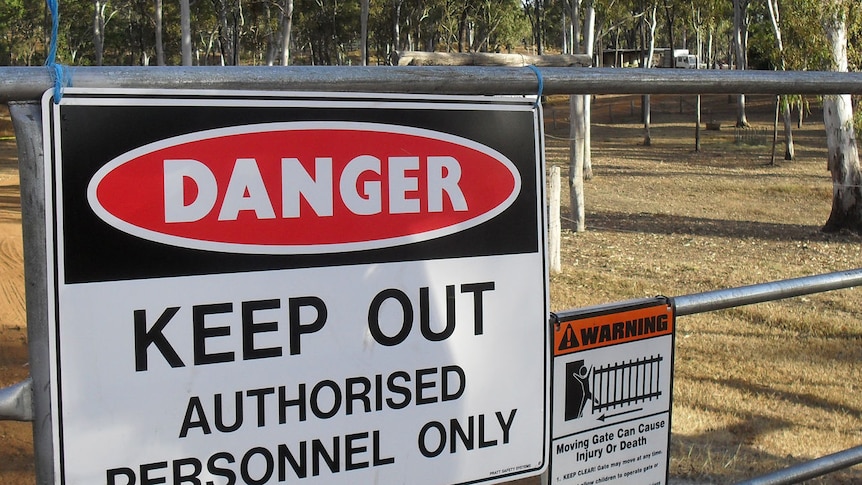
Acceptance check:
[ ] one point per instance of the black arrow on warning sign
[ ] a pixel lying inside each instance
(603, 417)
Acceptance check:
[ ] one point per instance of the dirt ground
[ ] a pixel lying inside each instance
(756, 388)
(16, 454)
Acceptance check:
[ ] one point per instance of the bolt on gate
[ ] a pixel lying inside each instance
(22, 87)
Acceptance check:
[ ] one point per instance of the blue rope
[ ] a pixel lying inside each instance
(541, 83)
(58, 71)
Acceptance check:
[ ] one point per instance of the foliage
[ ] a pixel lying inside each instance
(21, 33)
(327, 31)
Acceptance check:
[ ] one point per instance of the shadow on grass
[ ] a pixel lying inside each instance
(710, 457)
(651, 223)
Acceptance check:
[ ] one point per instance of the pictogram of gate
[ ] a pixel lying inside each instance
(624, 383)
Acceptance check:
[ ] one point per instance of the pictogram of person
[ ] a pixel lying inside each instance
(577, 389)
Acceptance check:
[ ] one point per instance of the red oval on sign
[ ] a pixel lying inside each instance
(303, 187)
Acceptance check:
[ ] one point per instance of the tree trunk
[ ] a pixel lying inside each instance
(800, 104)
(697, 123)
(843, 164)
(843, 153)
(589, 46)
(185, 27)
(227, 32)
(157, 20)
(652, 21)
(646, 113)
(775, 129)
(363, 39)
(789, 151)
(540, 26)
(740, 42)
(396, 29)
(271, 40)
(286, 27)
(576, 26)
(98, 30)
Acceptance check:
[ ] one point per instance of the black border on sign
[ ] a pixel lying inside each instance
(533, 185)
(608, 309)
(54, 270)
(96, 133)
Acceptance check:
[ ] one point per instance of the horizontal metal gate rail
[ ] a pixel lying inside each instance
(760, 293)
(28, 83)
(22, 87)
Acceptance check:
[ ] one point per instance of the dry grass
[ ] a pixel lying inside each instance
(756, 388)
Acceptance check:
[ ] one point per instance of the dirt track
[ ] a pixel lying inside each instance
(16, 454)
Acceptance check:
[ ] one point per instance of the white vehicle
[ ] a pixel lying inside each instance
(686, 61)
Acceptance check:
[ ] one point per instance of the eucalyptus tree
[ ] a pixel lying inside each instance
(843, 153)
(580, 160)
(650, 22)
(285, 30)
(98, 31)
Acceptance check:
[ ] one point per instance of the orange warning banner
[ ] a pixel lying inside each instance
(613, 328)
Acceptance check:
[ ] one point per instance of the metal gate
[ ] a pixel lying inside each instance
(22, 87)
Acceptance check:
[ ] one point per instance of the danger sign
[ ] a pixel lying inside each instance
(613, 372)
(304, 288)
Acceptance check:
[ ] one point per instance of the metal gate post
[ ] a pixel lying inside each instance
(27, 120)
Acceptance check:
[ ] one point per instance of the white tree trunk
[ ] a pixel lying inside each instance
(589, 47)
(843, 153)
(286, 27)
(789, 151)
(652, 21)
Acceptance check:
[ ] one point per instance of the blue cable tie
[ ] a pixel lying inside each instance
(58, 71)
(62, 79)
(541, 83)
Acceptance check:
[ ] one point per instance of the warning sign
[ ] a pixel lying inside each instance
(612, 371)
(296, 288)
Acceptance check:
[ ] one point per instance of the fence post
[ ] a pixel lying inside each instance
(554, 225)
(27, 120)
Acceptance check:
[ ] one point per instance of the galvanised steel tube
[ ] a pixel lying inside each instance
(759, 293)
(28, 83)
(776, 290)
(16, 401)
(811, 469)
(27, 121)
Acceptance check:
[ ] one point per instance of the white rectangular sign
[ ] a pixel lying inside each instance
(268, 288)
(613, 381)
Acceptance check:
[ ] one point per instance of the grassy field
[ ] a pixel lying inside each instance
(756, 388)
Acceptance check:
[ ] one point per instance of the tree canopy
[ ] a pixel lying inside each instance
(327, 32)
